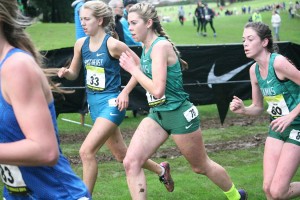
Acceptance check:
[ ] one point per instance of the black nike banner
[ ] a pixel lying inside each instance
(215, 74)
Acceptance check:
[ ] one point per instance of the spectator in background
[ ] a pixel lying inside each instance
(228, 13)
(21, 6)
(276, 20)
(181, 15)
(292, 10)
(117, 7)
(209, 15)
(297, 8)
(194, 20)
(256, 16)
(297, 5)
(199, 13)
(78, 28)
(79, 33)
(127, 35)
(244, 8)
(278, 8)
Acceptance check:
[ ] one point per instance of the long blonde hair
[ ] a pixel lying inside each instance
(13, 26)
(147, 11)
(101, 9)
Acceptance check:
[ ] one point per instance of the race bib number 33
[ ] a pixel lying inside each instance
(12, 178)
(95, 78)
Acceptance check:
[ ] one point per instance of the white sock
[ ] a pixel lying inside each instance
(163, 170)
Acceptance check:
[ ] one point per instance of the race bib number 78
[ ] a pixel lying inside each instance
(191, 113)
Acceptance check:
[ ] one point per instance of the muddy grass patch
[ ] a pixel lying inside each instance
(173, 152)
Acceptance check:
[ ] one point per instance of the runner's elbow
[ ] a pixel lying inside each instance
(50, 158)
(158, 94)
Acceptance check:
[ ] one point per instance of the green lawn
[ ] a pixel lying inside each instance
(229, 28)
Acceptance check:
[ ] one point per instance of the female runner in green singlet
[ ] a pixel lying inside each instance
(276, 80)
(171, 113)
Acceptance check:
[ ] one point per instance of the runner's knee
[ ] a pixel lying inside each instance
(86, 155)
(266, 189)
(278, 193)
(199, 170)
(120, 157)
(131, 164)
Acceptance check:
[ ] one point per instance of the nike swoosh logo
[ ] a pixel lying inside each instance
(187, 127)
(99, 54)
(212, 78)
(113, 114)
(269, 81)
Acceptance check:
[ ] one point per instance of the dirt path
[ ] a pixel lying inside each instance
(240, 143)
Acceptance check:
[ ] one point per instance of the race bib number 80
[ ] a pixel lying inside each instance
(277, 106)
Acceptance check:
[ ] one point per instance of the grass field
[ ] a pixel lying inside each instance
(243, 165)
(229, 28)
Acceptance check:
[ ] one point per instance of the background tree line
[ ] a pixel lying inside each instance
(55, 11)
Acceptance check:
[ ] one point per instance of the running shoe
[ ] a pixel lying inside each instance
(166, 179)
(243, 193)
